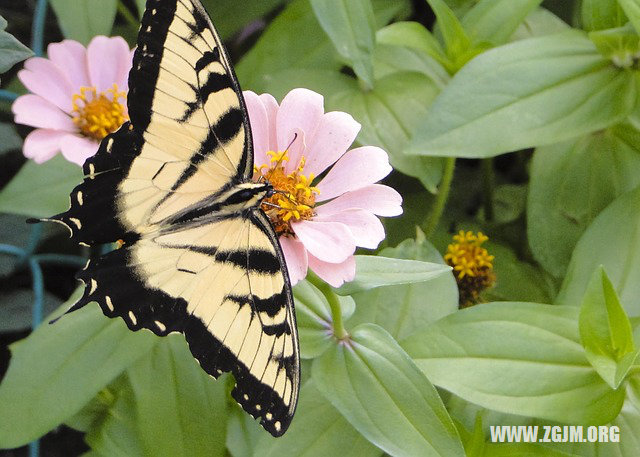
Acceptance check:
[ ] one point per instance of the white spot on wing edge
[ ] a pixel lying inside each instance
(94, 285)
(277, 426)
(76, 222)
(132, 316)
(268, 416)
(160, 326)
(109, 303)
(80, 198)
(92, 171)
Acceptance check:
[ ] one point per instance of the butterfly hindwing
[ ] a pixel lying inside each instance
(170, 186)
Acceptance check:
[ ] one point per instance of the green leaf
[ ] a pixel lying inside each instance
(456, 40)
(571, 183)
(632, 10)
(318, 430)
(539, 22)
(494, 21)
(404, 308)
(40, 190)
(621, 45)
(517, 358)
(9, 138)
(11, 50)
(243, 432)
(375, 271)
(83, 20)
(412, 35)
(141, 5)
(379, 390)
(56, 370)
(181, 410)
(390, 114)
(293, 40)
(116, 435)
(313, 316)
(612, 240)
(602, 14)
(528, 93)
(390, 59)
(350, 24)
(605, 330)
(230, 16)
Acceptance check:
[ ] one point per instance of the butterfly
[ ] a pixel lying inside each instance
(173, 188)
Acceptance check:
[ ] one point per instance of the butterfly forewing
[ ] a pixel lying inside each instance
(159, 185)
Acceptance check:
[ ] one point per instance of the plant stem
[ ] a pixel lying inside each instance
(37, 29)
(488, 188)
(336, 312)
(441, 198)
(8, 96)
(126, 14)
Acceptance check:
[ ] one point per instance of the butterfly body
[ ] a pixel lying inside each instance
(197, 254)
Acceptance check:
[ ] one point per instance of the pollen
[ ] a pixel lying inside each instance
(472, 266)
(97, 114)
(294, 197)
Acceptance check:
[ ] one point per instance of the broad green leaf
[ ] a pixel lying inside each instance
(456, 40)
(621, 45)
(318, 430)
(181, 410)
(116, 435)
(404, 308)
(9, 138)
(494, 21)
(517, 358)
(141, 5)
(11, 50)
(243, 432)
(516, 279)
(57, 369)
(83, 20)
(605, 330)
(16, 308)
(602, 14)
(539, 22)
(386, 11)
(389, 59)
(376, 271)
(40, 190)
(350, 24)
(527, 93)
(379, 390)
(313, 315)
(294, 39)
(613, 241)
(230, 16)
(412, 35)
(390, 114)
(571, 183)
(632, 10)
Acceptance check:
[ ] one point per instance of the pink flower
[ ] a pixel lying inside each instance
(319, 224)
(78, 97)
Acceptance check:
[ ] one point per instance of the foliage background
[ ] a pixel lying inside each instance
(515, 117)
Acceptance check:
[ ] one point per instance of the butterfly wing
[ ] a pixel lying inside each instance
(220, 280)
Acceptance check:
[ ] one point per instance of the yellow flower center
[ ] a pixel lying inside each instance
(472, 265)
(295, 197)
(97, 114)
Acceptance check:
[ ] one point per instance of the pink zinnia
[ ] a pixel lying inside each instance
(78, 97)
(319, 224)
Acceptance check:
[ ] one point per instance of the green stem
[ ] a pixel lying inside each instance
(488, 188)
(334, 303)
(126, 14)
(441, 198)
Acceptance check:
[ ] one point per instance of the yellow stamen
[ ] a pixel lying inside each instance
(472, 265)
(296, 196)
(97, 114)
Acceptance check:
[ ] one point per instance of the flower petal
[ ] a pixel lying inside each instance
(77, 148)
(366, 228)
(333, 136)
(42, 144)
(334, 274)
(271, 107)
(357, 168)
(44, 78)
(259, 127)
(109, 62)
(35, 111)
(328, 241)
(296, 257)
(376, 198)
(300, 109)
(71, 58)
